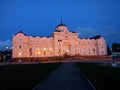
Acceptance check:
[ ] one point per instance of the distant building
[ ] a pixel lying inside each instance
(62, 42)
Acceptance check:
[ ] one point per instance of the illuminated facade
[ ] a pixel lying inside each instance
(61, 43)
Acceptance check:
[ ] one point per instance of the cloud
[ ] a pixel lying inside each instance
(4, 44)
(110, 34)
(86, 32)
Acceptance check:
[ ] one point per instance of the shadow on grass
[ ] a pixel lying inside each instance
(103, 78)
(24, 77)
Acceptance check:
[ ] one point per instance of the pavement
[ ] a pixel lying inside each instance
(66, 77)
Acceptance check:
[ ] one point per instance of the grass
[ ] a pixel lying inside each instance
(102, 78)
(24, 77)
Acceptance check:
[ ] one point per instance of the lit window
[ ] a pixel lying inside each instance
(44, 48)
(38, 52)
(50, 51)
(44, 51)
(19, 54)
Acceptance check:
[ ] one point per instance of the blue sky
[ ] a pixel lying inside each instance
(39, 17)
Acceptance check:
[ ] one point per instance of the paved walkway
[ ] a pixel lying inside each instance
(67, 77)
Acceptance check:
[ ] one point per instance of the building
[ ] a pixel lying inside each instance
(62, 42)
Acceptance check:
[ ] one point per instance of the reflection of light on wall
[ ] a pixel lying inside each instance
(44, 48)
(20, 54)
(67, 50)
(50, 49)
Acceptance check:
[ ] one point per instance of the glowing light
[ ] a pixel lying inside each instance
(20, 54)
(44, 48)
(38, 52)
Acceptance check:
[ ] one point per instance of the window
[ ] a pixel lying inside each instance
(20, 46)
(20, 39)
(89, 51)
(94, 51)
(50, 51)
(102, 47)
(66, 32)
(66, 37)
(44, 51)
(38, 52)
(19, 54)
(30, 51)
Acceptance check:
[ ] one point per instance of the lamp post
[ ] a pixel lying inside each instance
(59, 40)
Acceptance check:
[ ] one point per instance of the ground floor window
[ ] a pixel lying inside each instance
(44, 51)
(38, 52)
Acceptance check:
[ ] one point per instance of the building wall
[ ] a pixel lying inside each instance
(62, 42)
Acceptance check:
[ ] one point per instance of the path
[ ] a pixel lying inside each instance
(67, 77)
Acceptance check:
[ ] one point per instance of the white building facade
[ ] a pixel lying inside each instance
(61, 43)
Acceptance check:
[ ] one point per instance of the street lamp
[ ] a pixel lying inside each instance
(59, 40)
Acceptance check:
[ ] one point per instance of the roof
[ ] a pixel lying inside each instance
(57, 30)
(21, 32)
(61, 25)
(73, 32)
(96, 37)
(32, 36)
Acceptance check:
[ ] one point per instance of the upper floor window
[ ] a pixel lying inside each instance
(20, 46)
(66, 32)
(20, 39)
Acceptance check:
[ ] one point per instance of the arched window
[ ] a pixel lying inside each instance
(20, 54)
(89, 51)
(50, 51)
(20, 46)
(30, 51)
(44, 51)
(94, 51)
(38, 52)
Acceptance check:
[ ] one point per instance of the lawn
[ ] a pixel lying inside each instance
(102, 77)
(24, 77)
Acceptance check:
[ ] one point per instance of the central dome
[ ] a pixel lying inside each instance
(61, 27)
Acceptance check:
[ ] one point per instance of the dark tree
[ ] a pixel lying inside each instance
(109, 52)
(116, 47)
(0, 56)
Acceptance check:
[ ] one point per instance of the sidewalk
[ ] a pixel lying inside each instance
(67, 77)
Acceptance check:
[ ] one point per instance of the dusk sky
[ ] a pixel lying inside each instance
(39, 18)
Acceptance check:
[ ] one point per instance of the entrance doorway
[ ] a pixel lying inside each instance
(66, 51)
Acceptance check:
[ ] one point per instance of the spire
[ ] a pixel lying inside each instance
(61, 23)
